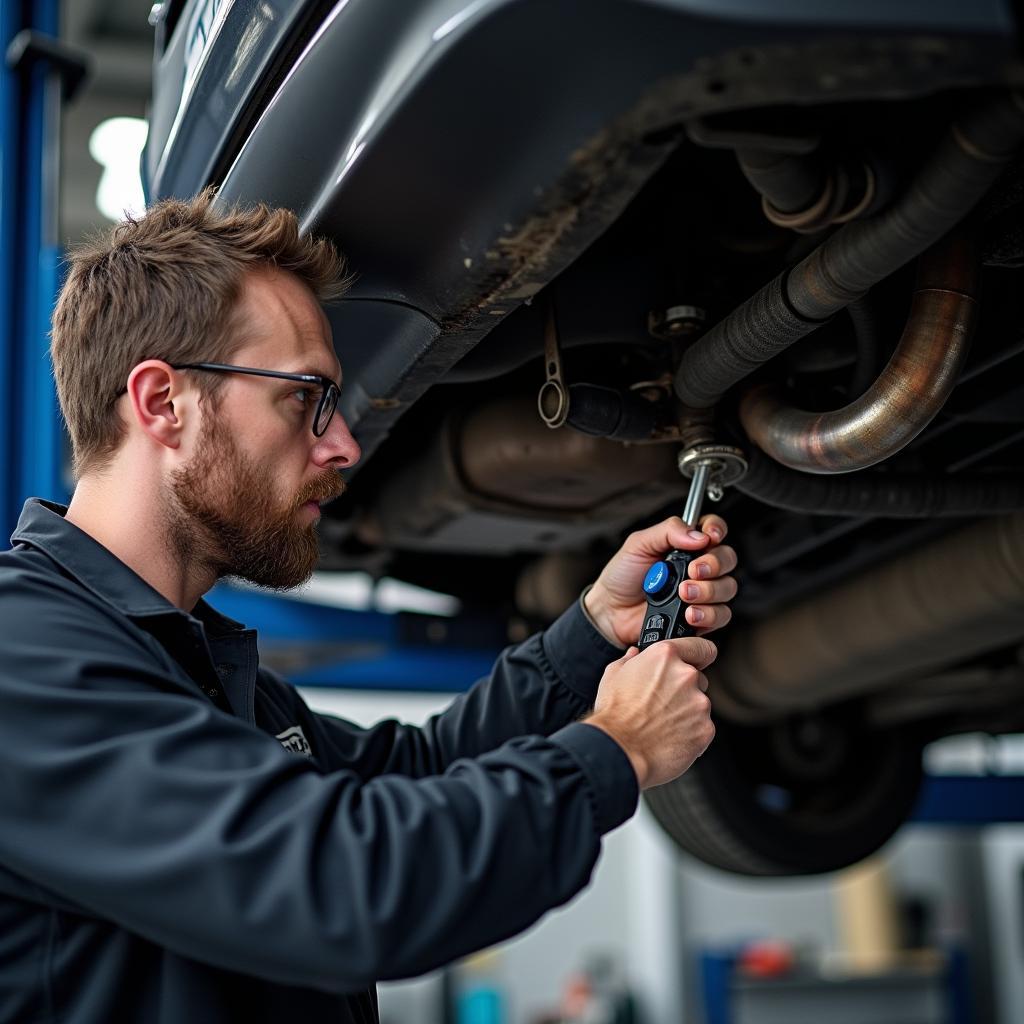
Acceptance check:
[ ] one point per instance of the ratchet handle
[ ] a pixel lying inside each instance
(665, 618)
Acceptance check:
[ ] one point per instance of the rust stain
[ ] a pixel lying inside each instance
(520, 257)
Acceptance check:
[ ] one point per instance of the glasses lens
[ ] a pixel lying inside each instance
(324, 414)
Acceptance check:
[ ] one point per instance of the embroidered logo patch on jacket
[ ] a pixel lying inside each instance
(294, 739)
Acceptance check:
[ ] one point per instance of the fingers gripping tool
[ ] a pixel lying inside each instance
(709, 468)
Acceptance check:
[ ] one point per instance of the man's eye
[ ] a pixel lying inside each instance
(305, 395)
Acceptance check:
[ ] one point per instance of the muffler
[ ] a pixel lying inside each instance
(953, 599)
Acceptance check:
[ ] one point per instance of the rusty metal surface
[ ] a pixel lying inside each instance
(496, 481)
(506, 455)
(907, 395)
(956, 598)
(857, 257)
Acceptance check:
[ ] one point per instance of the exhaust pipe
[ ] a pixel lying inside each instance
(970, 158)
(888, 495)
(903, 400)
(956, 598)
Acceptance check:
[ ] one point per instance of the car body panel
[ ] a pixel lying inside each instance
(464, 154)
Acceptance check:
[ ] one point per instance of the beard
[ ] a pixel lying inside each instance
(224, 515)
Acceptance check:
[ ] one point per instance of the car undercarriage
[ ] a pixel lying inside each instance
(591, 241)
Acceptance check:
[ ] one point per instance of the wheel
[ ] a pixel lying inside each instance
(809, 794)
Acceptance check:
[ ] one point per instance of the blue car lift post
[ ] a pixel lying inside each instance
(33, 75)
(337, 647)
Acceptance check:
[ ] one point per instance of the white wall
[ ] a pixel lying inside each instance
(1003, 859)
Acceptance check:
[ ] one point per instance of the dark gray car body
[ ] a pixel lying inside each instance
(482, 163)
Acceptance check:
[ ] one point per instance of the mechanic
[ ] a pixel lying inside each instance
(181, 838)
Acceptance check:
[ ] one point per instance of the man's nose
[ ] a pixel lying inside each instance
(337, 448)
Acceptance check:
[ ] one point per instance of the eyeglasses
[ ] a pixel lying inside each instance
(329, 391)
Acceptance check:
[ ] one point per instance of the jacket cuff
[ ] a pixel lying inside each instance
(611, 780)
(590, 618)
(577, 651)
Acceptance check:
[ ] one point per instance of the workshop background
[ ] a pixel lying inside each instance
(931, 930)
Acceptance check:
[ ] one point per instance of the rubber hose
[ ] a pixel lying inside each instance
(606, 412)
(886, 495)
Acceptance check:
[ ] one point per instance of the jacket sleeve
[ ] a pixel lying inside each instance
(153, 809)
(535, 688)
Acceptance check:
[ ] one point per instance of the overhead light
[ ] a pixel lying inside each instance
(116, 145)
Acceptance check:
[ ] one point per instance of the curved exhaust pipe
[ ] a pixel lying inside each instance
(903, 400)
(969, 159)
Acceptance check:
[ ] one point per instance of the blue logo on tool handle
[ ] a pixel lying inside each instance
(656, 578)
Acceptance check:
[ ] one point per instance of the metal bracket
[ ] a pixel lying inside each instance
(70, 64)
(725, 466)
(553, 399)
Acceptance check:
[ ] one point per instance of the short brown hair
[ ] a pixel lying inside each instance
(163, 286)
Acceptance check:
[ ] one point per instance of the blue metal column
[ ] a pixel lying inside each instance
(10, 22)
(335, 647)
(39, 445)
(30, 435)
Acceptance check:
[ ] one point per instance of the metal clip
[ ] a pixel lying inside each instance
(553, 398)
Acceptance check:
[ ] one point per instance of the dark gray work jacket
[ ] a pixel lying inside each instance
(183, 840)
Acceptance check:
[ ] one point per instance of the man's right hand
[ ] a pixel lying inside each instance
(654, 704)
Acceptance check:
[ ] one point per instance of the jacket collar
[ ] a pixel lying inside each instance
(42, 525)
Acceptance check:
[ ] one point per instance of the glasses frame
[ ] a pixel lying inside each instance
(330, 392)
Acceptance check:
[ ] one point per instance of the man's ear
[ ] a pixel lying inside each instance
(155, 396)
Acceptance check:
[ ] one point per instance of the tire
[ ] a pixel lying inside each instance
(811, 794)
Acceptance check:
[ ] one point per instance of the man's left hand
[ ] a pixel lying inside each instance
(617, 602)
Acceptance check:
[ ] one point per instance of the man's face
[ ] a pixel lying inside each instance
(240, 505)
